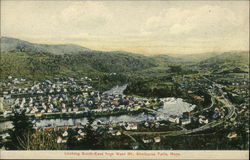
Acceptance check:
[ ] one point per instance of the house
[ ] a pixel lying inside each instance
(38, 114)
(78, 123)
(133, 127)
(63, 104)
(189, 91)
(27, 110)
(157, 124)
(49, 110)
(82, 134)
(5, 135)
(216, 110)
(147, 103)
(110, 128)
(95, 127)
(78, 138)
(232, 135)
(59, 139)
(64, 141)
(118, 133)
(75, 109)
(79, 131)
(130, 101)
(137, 107)
(64, 110)
(203, 120)
(8, 111)
(174, 119)
(146, 140)
(135, 146)
(115, 102)
(112, 133)
(65, 134)
(185, 121)
(97, 110)
(157, 139)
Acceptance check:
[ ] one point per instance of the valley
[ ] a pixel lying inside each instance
(126, 100)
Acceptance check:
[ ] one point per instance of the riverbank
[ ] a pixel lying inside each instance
(76, 115)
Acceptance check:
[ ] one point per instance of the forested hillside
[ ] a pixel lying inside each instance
(34, 65)
(227, 62)
(39, 61)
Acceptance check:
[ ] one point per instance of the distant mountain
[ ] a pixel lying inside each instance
(195, 57)
(234, 56)
(37, 61)
(12, 44)
(227, 62)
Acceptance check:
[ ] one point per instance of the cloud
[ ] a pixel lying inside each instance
(85, 15)
(202, 21)
(148, 27)
(40, 19)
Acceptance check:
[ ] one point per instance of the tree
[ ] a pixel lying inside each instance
(176, 69)
(21, 127)
(40, 140)
(92, 138)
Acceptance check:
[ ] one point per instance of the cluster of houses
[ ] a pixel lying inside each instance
(70, 95)
(64, 135)
(66, 95)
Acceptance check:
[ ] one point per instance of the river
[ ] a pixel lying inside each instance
(171, 106)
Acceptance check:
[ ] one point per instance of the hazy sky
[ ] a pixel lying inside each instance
(150, 27)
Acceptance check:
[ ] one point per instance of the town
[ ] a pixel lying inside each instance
(64, 106)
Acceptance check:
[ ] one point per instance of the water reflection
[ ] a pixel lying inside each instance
(172, 106)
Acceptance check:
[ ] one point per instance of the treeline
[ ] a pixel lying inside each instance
(39, 65)
(151, 86)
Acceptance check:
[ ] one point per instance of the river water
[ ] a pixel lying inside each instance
(171, 106)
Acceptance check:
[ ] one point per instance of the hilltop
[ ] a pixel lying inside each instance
(38, 61)
(12, 44)
(35, 61)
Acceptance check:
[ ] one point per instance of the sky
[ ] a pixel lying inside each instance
(147, 27)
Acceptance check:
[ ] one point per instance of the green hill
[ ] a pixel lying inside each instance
(39, 61)
(24, 59)
(12, 44)
(227, 62)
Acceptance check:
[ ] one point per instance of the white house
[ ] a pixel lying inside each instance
(65, 134)
(174, 119)
(157, 139)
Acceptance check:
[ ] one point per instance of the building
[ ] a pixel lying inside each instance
(65, 134)
(232, 135)
(185, 121)
(174, 119)
(146, 140)
(59, 139)
(157, 139)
